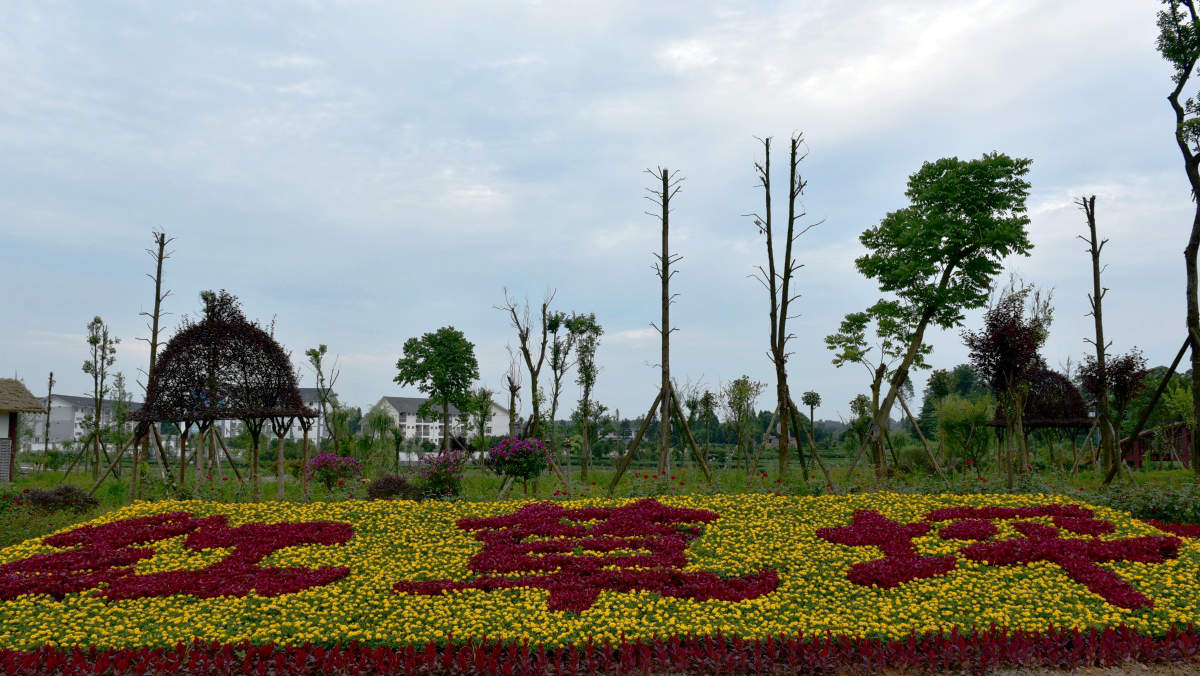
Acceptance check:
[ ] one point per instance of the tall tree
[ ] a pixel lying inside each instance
(1006, 354)
(160, 254)
(522, 321)
(325, 382)
(480, 409)
(777, 279)
(104, 355)
(49, 394)
(513, 380)
(561, 346)
(441, 364)
(812, 400)
(708, 411)
(1179, 44)
(939, 255)
(738, 398)
(669, 185)
(850, 346)
(1095, 300)
(587, 332)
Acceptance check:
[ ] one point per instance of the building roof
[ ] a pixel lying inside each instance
(87, 402)
(14, 396)
(411, 404)
(309, 395)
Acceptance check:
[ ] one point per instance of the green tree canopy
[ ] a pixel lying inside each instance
(442, 365)
(938, 255)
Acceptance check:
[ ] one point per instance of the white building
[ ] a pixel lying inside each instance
(403, 412)
(69, 418)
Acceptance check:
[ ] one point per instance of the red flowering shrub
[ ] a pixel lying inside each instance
(575, 580)
(1077, 557)
(900, 562)
(106, 554)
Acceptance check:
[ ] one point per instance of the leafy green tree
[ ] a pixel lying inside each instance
(939, 255)
(104, 355)
(850, 346)
(442, 365)
(325, 383)
(587, 332)
(479, 411)
(738, 398)
(1179, 44)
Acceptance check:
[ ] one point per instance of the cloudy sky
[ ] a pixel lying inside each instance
(366, 172)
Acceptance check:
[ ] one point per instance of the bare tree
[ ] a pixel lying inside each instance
(778, 281)
(49, 394)
(667, 402)
(1095, 298)
(513, 376)
(522, 322)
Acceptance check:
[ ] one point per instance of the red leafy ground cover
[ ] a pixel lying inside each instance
(970, 652)
(106, 554)
(556, 561)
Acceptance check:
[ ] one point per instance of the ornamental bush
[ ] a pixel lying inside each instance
(393, 486)
(330, 468)
(522, 459)
(442, 474)
(61, 498)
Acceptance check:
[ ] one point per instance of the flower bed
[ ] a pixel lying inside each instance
(772, 576)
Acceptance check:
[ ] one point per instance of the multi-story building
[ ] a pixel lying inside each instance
(403, 412)
(70, 418)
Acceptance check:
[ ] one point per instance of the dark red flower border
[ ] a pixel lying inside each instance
(957, 651)
(1183, 530)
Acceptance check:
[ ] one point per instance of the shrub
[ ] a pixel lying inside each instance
(522, 459)
(61, 498)
(393, 486)
(330, 468)
(442, 474)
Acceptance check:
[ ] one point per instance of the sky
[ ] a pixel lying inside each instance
(365, 172)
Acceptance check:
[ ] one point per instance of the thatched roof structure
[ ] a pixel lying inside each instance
(14, 396)
(222, 368)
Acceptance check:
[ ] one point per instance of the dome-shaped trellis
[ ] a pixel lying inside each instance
(1053, 402)
(225, 367)
(222, 368)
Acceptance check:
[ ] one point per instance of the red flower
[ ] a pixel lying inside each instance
(779, 480)
(341, 483)
(680, 483)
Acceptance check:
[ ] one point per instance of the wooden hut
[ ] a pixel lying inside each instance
(15, 399)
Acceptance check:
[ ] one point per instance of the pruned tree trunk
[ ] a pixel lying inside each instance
(1095, 299)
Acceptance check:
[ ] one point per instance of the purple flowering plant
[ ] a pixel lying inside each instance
(442, 474)
(522, 459)
(330, 468)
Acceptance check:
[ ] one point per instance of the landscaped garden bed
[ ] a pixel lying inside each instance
(684, 582)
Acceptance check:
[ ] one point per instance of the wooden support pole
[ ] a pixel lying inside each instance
(687, 434)
(111, 466)
(921, 435)
(304, 461)
(232, 464)
(812, 444)
(623, 462)
(163, 462)
(1162, 386)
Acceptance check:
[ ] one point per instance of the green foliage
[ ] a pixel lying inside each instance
(442, 365)
(962, 425)
(939, 254)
